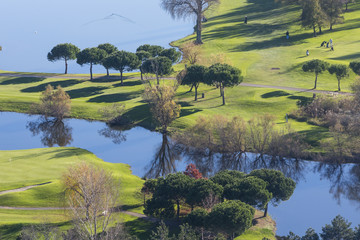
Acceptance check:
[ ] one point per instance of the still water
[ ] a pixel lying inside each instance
(29, 29)
(322, 191)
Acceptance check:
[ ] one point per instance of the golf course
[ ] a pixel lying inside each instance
(274, 83)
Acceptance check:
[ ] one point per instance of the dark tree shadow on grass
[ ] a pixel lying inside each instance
(129, 83)
(21, 80)
(275, 94)
(303, 101)
(41, 87)
(354, 56)
(141, 115)
(85, 92)
(116, 97)
(273, 42)
(187, 112)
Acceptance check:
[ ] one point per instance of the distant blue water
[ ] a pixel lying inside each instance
(313, 203)
(29, 29)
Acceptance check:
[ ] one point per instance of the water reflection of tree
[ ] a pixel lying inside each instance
(115, 134)
(52, 131)
(164, 161)
(344, 180)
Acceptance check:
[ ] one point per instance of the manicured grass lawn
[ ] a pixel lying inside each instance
(260, 45)
(28, 167)
(255, 48)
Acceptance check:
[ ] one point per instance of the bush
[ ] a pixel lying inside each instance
(54, 103)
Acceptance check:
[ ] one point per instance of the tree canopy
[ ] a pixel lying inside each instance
(64, 51)
(171, 54)
(340, 70)
(338, 229)
(109, 49)
(154, 50)
(278, 185)
(316, 66)
(231, 217)
(194, 75)
(160, 66)
(91, 56)
(250, 190)
(122, 61)
(223, 75)
(355, 66)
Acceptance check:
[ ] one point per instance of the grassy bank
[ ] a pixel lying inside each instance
(21, 168)
(258, 48)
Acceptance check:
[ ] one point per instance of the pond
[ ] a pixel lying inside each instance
(29, 30)
(322, 192)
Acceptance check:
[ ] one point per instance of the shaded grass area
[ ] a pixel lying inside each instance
(12, 222)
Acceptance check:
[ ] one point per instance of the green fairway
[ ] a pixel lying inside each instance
(28, 167)
(261, 50)
(258, 48)
(21, 168)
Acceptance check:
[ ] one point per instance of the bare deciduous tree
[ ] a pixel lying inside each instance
(54, 103)
(261, 130)
(191, 53)
(91, 194)
(162, 105)
(189, 8)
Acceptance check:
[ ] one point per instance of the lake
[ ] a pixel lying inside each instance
(322, 192)
(30, 29)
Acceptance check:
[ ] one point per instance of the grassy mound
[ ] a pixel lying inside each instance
(35, 166)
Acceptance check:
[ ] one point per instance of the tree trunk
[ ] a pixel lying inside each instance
(191, 88)
(339, 85)
(316, 76)
(66, 66)
(320, 30)
(198, 26)
(331, 27)
(107, 72)
(196, 87)
(223, 95)
(346, 7)
(220, 90)
(157, 79)
(121, 77)
(91, 75)
(266, 210)
(178, 210)
(314, 28)
(141, 74)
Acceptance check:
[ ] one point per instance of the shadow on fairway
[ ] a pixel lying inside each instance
(275, 94)
(21, 80)
(354, 56)
(116, 97)
(41, 87)
(129, 83)
(85, 92)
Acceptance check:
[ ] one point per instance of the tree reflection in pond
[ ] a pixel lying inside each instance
(344, 180)
(165, 159)
(52, 131)
(116, 135)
